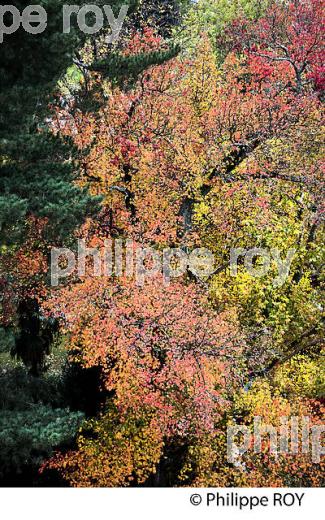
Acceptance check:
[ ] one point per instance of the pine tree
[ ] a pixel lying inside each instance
(37, 168)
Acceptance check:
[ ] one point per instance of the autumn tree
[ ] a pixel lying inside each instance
(202, 152)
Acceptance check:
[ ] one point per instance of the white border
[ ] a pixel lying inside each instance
(145, 504)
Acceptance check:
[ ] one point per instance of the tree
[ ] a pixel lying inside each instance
(164, 356)
(41, 202)
(34, 162)
(30, 436)
(219, 148)
(290, 34)
(212, 17)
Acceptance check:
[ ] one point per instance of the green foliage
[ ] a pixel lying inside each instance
(29, 436)
(7, 340)
(37, 169)
(213, 16)
(19, 389)
(119, 69)
(34, 414)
